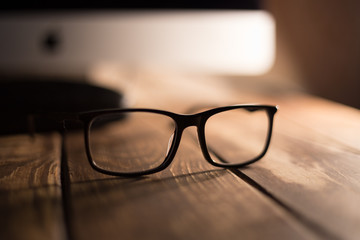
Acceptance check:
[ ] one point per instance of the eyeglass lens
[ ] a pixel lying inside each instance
(130, 142)
(242, 137)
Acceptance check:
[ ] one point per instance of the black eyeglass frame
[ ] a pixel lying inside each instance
(182, 121)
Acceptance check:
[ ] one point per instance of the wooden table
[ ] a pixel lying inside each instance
(306, 187)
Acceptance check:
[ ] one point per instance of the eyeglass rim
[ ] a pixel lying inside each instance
(198, 119)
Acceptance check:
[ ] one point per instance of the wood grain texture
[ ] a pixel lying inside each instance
(306, 187)
(310, 174)
(312, 167)
(30, 203)
(190, 200)
(314, 164)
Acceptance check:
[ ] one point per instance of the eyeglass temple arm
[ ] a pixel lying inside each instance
(202, 106)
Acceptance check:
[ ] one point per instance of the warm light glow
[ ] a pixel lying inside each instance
(221, 42)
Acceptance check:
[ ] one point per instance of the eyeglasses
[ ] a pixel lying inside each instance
(135, 142)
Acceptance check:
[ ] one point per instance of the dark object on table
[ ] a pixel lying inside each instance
(21, 97)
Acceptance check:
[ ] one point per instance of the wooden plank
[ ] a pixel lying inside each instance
(339, 123)
(190, 200)
(313, 165)
(30, 203)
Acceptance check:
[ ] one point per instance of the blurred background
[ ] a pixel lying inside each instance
(318, 46)
(312, 46)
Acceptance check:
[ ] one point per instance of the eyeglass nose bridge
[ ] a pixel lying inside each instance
(197, 120)
(189, 120)
(183, 122)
